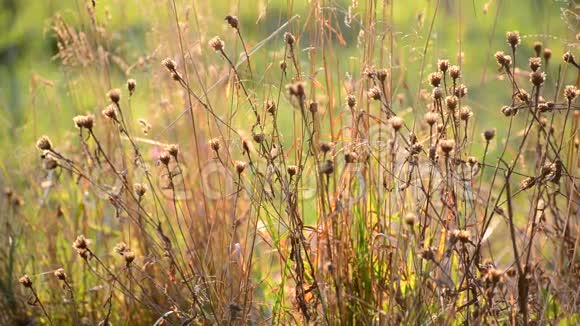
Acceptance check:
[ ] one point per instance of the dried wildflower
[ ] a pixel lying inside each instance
(80, 243)
(169, 64)
(494, 276)
(454, 72)
(460, 91)
(447, 146)
(523, 96)
(465, 113)
(283, 65)
(461, 235)
(508, 111)
(173, 150)
(428, 253)
(164, 157)
(374, 93)
(121, 248)
(240, 166)
(292, 170)
(131, 85)
(537, 48)
(535, 63)
(215, 145)
(568, 57)
(271, 107)
(396, 123)
(547, 54)
(351, 101)
(313, 107)
(50, 163)
(513, 39)
(502, 59)
(297, 89)
(327, 167)
(431, 118)
(410, 219)
(216, 43)
(435, 79)
(437, 94)
(84, 121)
(289, 38)
(25, 281)
(140, 189)
(232, 21)
(114, 95)
(129, 257)
(570, 92)
(472, 161)
(451, 102)
(350, 157)
(259, 137)
(537, 78)
(443, 65)
(528, 183)
(369, 72)
(382, 75)
(415, 148)
(60, 274)
(43, 143)
(326, 147)
(110, 112)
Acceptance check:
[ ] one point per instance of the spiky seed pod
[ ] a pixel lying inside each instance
(513, 39)
(538, 48)
(164, 158)
(382, 75)
(535, 63)
(289, 38)
(114, 95)
(465, 113)
(435, 79)
(216, 43)
(131, 85)
(292, 170)
(173, 150)
(437, 94)
(43, 143)
(140, 189)
(25, 281)
(460, 91)
(447, 145)
(271, 107)
(396, 123)
(232, 21)
(240, 166)
(443, 65)
(110, 112)
(410, 219)
(60, 274)
(129, 257)
(431, 118)
(547, 54)
(570, 92)
(80, 243)
(451, 102)
(351, 101)
(537, 78)
(169, 64)
(215, 145)
(454, 72)
(374, 93)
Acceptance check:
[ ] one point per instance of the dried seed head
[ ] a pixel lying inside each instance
(351, 101)
(489, 134)
(437, 94)
(140, 189)
(570, 92)
(232, 21)
(164, 158)
(49, 162)
(131, 85)
(60, 274)
(271, 107)
(114, 95)
(568, 57)
(447, 146)
(535, 63)
(537, 78)
(215, 145)
(472, 161)
(326, 147)
(396, 123)
(428, 253)
(494, 276)
(435, 79)
(283, 65)
(374, 93)
(313, 107)
(297, 89)
(350, 157)
(289, 38)
(292, 170)
(110, 112)
(382, 75)
(327, 167)
(169, 64)
(544, 107)
(121, 248)
(502, 59)
(451, 102)
(240, 166)
(460, 91)
(80, 243)
(465, 113)
(461, 235)
(528, 183)
(259, 137)
(513, 39)
(523, 96)
(173, 150)
(129, 257)
(431, 118)
(25, 281)
(176, 76)
(410, 219)
(43, 143)
(443, 65)
(369, 72)
(538, 48)
(216, 43)
(547, 54)
(508, 111)
(454, 72)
